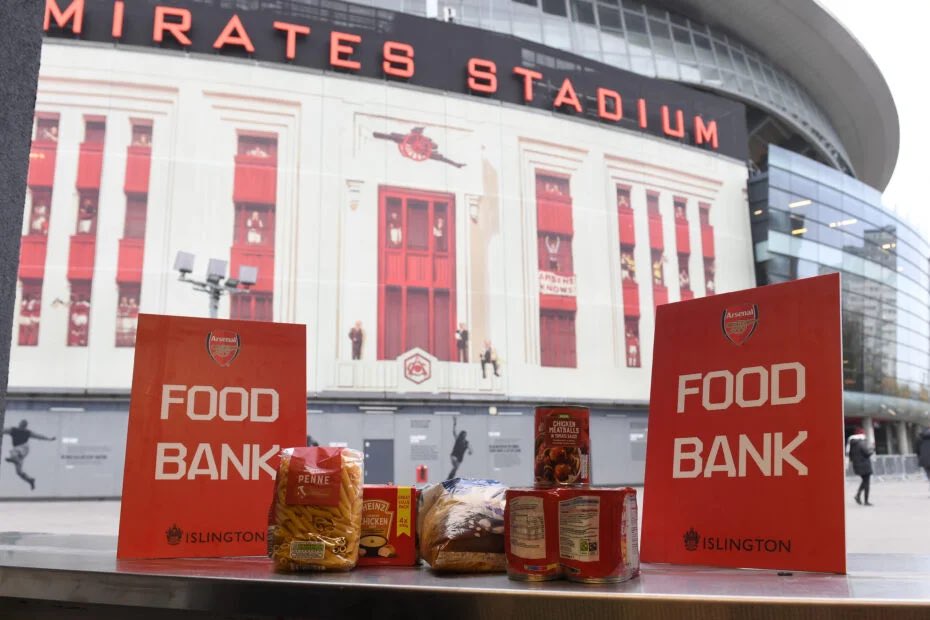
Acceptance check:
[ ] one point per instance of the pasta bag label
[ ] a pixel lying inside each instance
(314, 477)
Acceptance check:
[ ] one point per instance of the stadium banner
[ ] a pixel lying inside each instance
(213, 402)
(744, 461)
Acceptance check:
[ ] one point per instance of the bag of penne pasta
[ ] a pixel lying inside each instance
(316, 513)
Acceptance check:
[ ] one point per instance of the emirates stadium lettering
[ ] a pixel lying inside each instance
(769, 454)
(264, 37)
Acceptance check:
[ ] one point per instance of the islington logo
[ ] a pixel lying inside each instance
(739, 322)
(694, 542)
(223, 346)
(692, 538)
(174, 534)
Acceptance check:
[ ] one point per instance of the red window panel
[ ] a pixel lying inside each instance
(392, 331)
(81, 255)
(682, 231)
(707, 247)
(418, 324)
(32, 253)
(625, 216)
(127, 314)
(136, 208)
(416, 273)
(553, 204)
(442, 348)
(633, 351)
(42, 163)
(557, 339)
(30, 311)
(252, 306)
(79, 314)
(131, 257)
(630, 298)
(656, 240)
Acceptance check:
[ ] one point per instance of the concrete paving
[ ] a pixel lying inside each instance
(899, 521)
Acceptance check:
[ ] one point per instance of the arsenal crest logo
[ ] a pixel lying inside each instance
(223, 346)
(739, 322)
(417, 368)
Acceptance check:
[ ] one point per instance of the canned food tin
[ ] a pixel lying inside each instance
(598, 534)
(531, 534)
(563, 446)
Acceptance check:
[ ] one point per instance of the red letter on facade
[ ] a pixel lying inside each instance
(75, 11)
(568, 96)
(705, 133)
(234, 34)
(528, 76)
(398, 59)
(292, 31)
(119, 8)
(337, 48)
(643, 119)
(679, 130)
(603, 94)
(482, 75)
(177, 29)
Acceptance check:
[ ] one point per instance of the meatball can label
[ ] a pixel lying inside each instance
(563, 446)
(531, 535)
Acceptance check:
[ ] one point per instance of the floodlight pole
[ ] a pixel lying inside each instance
(214, 290)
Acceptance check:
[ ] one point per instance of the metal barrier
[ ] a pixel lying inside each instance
(891, 467)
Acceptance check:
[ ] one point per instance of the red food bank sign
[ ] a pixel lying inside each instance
(744, 462)
(213, 402)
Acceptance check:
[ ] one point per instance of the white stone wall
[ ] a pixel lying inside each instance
(326, 252)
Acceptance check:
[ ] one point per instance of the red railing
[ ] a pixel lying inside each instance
(630, 298)
(255, 256)
(256, 180)
(707, 241)
(81, 257)
(655, 232)
(627, 229)
(682, 237)
(42, 163)
(555, 216)
(138, 166)
(659, 294)
(90, 165)
(32, 254)
(129, 269)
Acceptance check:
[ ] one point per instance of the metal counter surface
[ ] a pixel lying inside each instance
(83, 572)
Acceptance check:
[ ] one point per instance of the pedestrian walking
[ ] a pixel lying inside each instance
(861, 456)
(923, 451)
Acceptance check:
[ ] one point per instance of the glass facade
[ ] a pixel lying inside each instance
(649, 40)
(808, 219)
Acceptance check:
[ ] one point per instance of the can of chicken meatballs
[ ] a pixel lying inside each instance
(563, 446)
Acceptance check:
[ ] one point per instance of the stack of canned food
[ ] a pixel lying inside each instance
(563, 527)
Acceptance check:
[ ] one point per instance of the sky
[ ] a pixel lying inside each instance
(894, 33)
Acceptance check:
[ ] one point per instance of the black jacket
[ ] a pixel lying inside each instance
(923, 449)
(859, 454)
